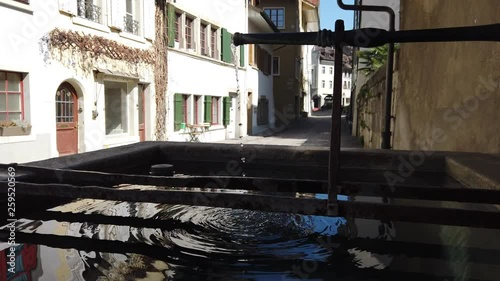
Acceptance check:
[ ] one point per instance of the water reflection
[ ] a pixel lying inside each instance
(226, 244)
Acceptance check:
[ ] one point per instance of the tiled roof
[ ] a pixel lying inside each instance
(328, 53)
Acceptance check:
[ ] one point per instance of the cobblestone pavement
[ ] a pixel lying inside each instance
(312, 131)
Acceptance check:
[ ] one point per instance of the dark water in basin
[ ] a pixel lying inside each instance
(226, 244)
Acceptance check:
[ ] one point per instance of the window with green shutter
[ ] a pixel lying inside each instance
(227, 109)
(178, 111)
(226, 46)
(171, 18)
(208, 109)
(242, 55)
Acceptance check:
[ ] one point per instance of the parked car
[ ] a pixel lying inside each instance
(328, 103)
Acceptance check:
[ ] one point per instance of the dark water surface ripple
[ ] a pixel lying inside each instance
(226, 244)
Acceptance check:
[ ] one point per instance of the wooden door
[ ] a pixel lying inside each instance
(142, 113)
(249, 114)
(67, 119)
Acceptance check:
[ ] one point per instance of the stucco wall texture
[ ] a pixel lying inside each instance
(448, 97)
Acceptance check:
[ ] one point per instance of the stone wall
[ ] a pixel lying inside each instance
(449, 96)
(370, 102)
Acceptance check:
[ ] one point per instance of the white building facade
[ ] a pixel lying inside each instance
(211, 84)
(78, 75)
(323, 70)
(310, 23)
(58, 77)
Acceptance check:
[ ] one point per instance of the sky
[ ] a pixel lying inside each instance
(329, 12)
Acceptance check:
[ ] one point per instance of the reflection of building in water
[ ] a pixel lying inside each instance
(43, 263)
(17, 262)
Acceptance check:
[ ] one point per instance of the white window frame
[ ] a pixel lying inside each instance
(284, 15)
(137, 8)
(207, 36)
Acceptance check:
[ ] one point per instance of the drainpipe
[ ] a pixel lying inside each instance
(386, 134)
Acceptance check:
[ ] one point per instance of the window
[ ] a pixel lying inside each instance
(345, 85)
(277, 16)
(189, 33)
(181, 110)
(115, 100)
(87, 9)
(203, 39)
(323, 84)
(263, 111)
(276, 66)
(213, 43)
(331, 84)
(11, 96)
(178, 18)
(131, 25)
(215, 110)
(197, 110)
(331, 70)
(348, 101)
(185, 108)
(323, 69)
(65, 105)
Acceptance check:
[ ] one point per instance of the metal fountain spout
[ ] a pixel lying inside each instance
(373, 37)
(364, 38)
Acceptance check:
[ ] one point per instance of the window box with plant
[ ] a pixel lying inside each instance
(14, 128)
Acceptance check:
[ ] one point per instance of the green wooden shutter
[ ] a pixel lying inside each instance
(177, 112)
(208, 109)
(226, 46)
(242, 55)
(227, 108)
(171, 25)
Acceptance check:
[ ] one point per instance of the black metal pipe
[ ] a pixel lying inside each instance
(386, 134)
(374, 37)
(335, 130)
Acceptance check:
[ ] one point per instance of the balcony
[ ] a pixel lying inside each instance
(89, 11)
(131, 25)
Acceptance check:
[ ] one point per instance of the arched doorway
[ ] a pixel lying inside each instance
(67, 119)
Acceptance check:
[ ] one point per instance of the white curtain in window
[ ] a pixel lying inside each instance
(149, 19)
(117, 13)
(68, 6)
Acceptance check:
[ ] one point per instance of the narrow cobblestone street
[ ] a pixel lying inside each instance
(312, 131)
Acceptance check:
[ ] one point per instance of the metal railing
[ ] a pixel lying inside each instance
(131, 25)
(89, 11)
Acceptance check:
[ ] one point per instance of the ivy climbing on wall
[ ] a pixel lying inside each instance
(160, 69)
(83, 52)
